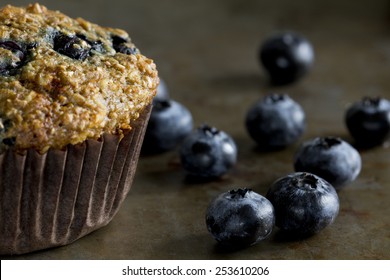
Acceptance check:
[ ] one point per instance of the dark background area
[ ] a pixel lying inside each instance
(206, 51)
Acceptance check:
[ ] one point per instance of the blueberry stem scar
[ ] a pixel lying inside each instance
(306, 180)
(371, 101)
(328, 142)
(210, 130)
(239, 192)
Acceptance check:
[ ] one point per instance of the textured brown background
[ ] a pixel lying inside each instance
(206, 51)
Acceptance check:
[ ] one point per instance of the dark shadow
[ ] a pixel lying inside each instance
(194, 180)
(220, 248)
(282, 236)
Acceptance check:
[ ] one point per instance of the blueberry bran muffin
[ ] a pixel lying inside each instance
(75, 99)
(65, 80)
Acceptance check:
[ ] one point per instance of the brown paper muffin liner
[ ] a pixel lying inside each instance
(56, 198)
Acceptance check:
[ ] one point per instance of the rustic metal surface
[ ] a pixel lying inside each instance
(207, 53)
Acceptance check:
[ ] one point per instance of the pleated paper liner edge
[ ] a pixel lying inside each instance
(56, 198)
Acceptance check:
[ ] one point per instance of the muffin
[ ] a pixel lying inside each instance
(75, 99)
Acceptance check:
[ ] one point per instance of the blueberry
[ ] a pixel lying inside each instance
(304, 203)
(275, 122)
(170, 122)
(240, 218)
(97, 46)
(286, 57)
(16, 59)
(16, 48)
(5, 124)
(368, 121)
(208, 153)
(71, 46)
(121, 45)
(10, 141)
(331, 158)
(162, 91)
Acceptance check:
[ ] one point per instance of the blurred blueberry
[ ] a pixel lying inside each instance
(286, 57)
(275, 121)
(368, 121)
(162, 91)
(170, 122)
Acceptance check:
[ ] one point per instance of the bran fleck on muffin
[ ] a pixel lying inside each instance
(74, 103)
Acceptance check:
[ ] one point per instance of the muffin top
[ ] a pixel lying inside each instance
(65, 80)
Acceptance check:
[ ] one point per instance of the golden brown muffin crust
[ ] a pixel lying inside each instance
(50, 96)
